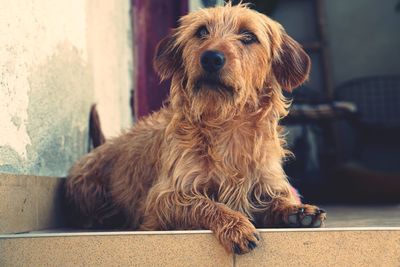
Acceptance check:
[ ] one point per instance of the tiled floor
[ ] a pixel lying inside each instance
(337, 217)
(363, 216)
(277, 247)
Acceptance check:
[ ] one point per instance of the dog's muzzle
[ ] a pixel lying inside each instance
(212, 61)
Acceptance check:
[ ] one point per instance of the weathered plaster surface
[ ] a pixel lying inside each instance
(110, 55)
(56, 59)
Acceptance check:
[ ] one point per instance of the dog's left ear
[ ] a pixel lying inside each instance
(167, 59)
(291, 65)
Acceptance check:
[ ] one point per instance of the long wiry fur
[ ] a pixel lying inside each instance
(210, 158)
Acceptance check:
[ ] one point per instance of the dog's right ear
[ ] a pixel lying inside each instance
(292, 65)
(168, 58)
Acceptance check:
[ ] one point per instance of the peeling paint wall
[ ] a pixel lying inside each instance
(56, 59)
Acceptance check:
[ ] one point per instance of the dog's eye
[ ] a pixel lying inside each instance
(202, 32)
(248, 37)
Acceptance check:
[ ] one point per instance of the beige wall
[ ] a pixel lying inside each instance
(56, 59)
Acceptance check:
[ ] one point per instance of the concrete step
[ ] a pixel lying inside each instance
(29, 203)
(367, 246)
(354, 236)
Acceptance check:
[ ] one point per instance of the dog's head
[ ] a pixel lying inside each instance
(229, 57)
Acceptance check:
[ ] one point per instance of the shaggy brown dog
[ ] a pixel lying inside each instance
(211, 158)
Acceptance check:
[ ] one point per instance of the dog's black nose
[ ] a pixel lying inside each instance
(212, 61)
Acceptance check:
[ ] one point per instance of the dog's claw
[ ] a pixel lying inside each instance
(236, 249)
(319, 211)
(257, 236)
(252, 245)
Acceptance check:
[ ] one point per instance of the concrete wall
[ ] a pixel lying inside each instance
(299, 21)
(364, 38)
(197, 4)
(56, 59)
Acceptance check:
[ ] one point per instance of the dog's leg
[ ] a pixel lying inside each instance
(233, 230)
(85, 202)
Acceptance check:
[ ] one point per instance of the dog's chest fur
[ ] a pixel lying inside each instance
(229, 157)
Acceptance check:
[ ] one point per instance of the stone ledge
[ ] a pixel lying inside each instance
(29, 203)
(283, 247)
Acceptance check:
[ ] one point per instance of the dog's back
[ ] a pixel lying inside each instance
(115, 177)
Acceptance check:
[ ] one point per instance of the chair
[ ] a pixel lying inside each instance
(377, 99)
(373, 172)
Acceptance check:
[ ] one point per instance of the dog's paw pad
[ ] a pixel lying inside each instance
(304, 216)
(317, 223)
(293, 220)
(307, 220)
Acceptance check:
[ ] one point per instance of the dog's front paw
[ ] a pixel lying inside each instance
(302, 215)
(238, 235)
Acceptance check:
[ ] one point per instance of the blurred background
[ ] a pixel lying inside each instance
(59, 58)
